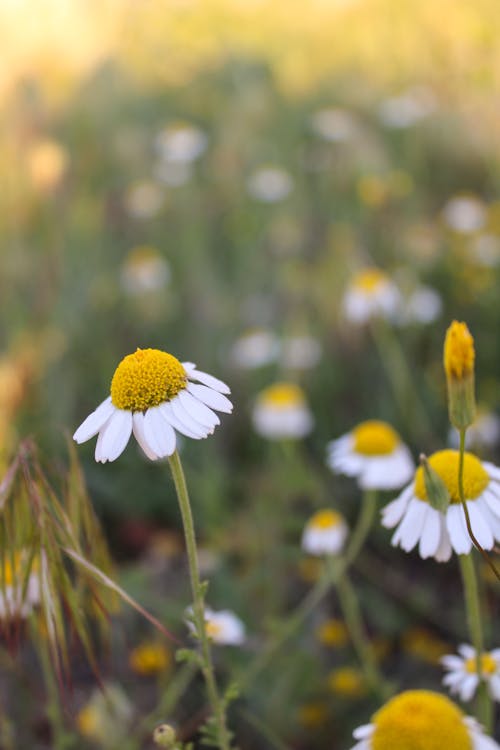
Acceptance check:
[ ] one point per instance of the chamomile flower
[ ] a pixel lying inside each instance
(270, 184)
(144, 270)
(144, 199)
(324, 533)
(334, 124)
(437, 533)
(154, 395)
(465, 214)
(281, 412)
(462, 678)
(421, 720)
(370, 293)
(223, 627)
(181, 142)
(256, 348)
(374, 453)
(483, 433)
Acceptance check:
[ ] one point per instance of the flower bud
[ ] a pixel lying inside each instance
(435, 488)
(458, 360)
(165, 736)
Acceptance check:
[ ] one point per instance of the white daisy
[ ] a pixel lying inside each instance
(484, 432)
(423, 720)
(270, 184)
(423, 305)
(370, 293)
(373, 453)
(324, 533)
(438, 533)
(334, 124)
(154, 395)
(256, 348)
(465, 214)
(300, 352)
(462, 678)
(181, 143)
(144, 270)
(408, 108)
(281, 412)
(222, 627)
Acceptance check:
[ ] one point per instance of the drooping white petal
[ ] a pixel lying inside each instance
(208, 396)
(138, 428)
(480, 528)
(362, 732)
(431, 534)
(168, 414)
(186, 419)
(158, 432)
(395, 510)
(115, 435)
(98, 447)
(468, 687)
(409, 530)
(205, 378)
(443, 552)
(94, 421)
(490, 518)
(460, 540)
(197, 410)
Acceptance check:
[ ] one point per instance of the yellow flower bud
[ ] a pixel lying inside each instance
(458, 360)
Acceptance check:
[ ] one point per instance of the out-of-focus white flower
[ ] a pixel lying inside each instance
(374, 453)
(270, 184)
(421, 719)
(465, 214)
(483, 433)
(324, 533)
(333, 124)
(485, 250)
(407, 109)
(154, 396)
(180, 142)
(281, 412)
(300, 352)
(437, 533)
(255, 348)
(107, 716)
(144, 270)
(144, 199)
(423, 305)
(17, 601)
(222, 627)
(370, 293)
(461, 672)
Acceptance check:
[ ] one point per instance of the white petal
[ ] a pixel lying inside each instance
(98, 447)
(492, 500)
(138, 428)
(158, 432)
(468, 687)
(492, 470)
(362, 732)
(198, 411)
(490, 518)
(494, 687)
(431, 534)
(479, 526)
(395, 510)
(211, 398)
(115, 435)
(443, 552)
(460, 540)
(168, 414)
(94, 421)
(205, 378)
(410, 528)
(186, 419)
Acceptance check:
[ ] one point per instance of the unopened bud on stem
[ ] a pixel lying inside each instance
(458, 357)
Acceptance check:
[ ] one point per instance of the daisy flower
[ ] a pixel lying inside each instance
(370, 293)
(281, 412)
(465, 214)
(422, 720)
(144, 270)
(270, 184)
(462, 678)
(373, 453)
(154, 395)
(222, 627)
(324, 533)
(334, 124)
(257, 347)
(438, 533)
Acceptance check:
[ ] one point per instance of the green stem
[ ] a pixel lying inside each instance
(484, 708)
(320, 589)
(352, 615)
(197, 590)
(61, 739)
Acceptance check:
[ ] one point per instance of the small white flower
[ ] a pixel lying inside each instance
(256, 348)
(370, 293)
(324, 533)
(437, 533)
(300, 352)
(334, 124)
(144, 270)
(407, 109)
(281, 412)
(461, 672)
(154, 395)
(484, 432)
(465, 214)
(421, 719)
(423, 305)
(485, 250)
(270, 184)
(373, 453)
(181, 143)
(223, 627)
(144, 199)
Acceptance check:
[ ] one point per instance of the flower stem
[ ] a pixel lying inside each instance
(318, 592)
(352, 615)
(484, 709)
(197, 588)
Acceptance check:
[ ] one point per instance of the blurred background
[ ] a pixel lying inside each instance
(211, 178)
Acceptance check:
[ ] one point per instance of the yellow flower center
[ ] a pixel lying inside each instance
(458, 351)
(369, 281)
(374, 438)
(445, 464)
(149, 658)
(282, 396)
(349, 683)
(488, 665)
(332, 633)
(325, 519)
(213, 629)
(420, 720)
(146, 378)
